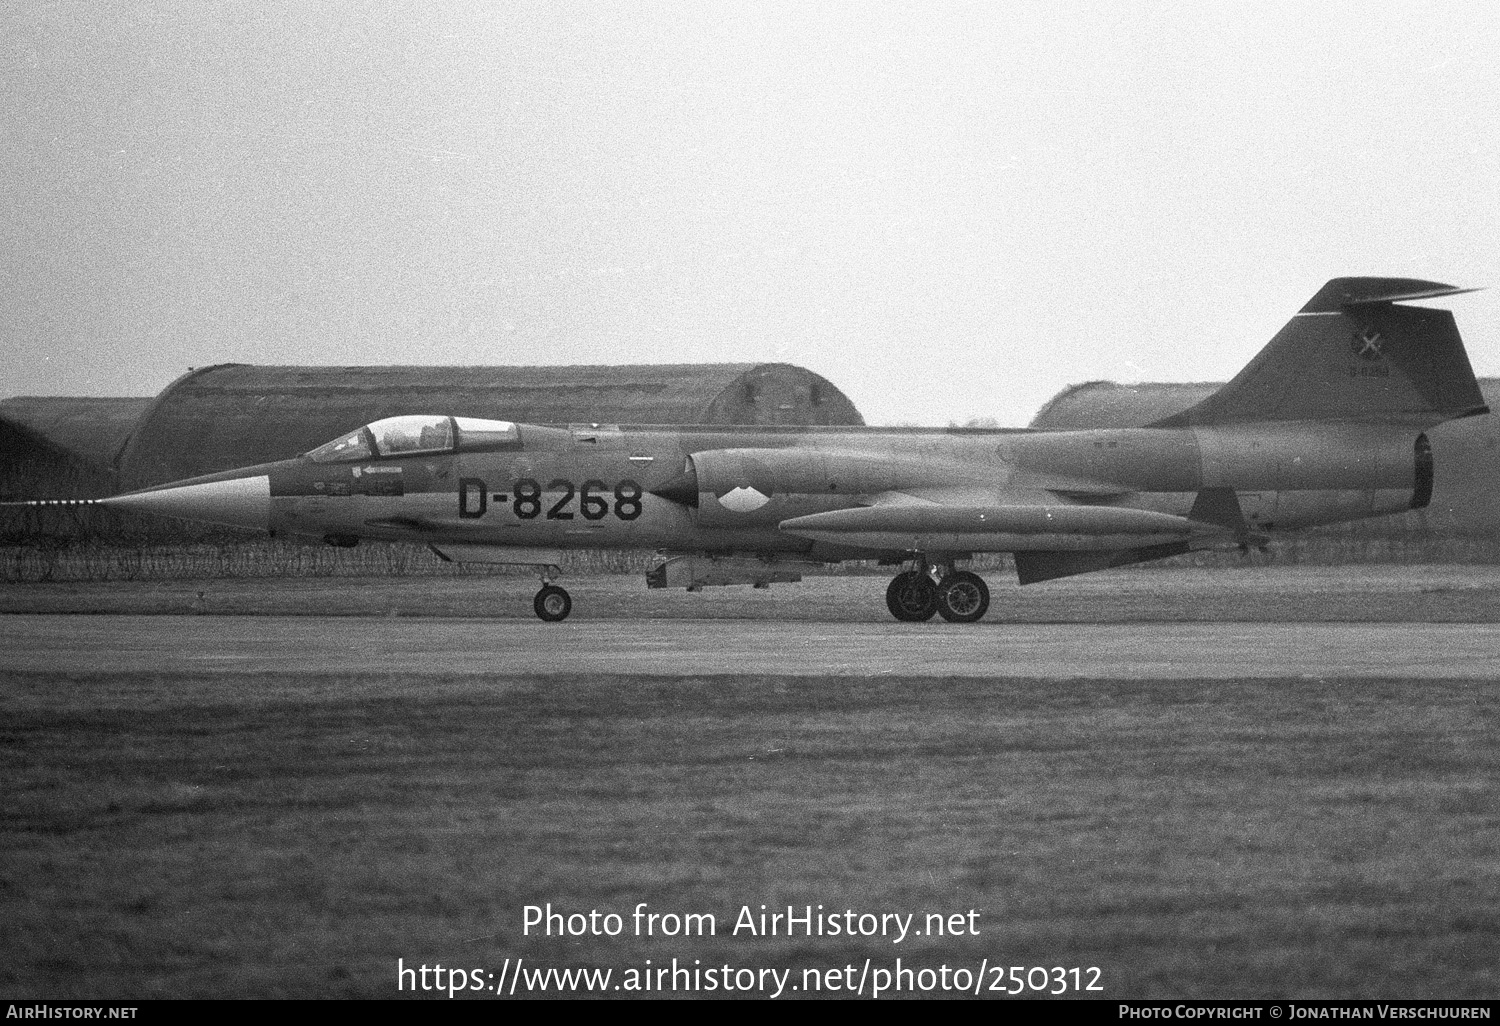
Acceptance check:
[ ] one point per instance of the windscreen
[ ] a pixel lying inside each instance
(353, 446)
(419, 433)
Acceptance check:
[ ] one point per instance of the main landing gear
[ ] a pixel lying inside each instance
(958, 596)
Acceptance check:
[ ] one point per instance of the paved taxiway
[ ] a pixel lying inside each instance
(419, 647)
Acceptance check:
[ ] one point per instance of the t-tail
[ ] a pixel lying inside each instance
(1353, 354)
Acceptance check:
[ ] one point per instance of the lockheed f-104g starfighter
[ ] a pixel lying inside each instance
(1326, 424)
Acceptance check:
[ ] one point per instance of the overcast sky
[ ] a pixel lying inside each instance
(950, 211)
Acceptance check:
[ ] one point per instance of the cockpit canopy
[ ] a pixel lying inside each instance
(418, 434)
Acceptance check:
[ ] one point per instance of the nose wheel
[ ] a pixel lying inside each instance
(552, 603)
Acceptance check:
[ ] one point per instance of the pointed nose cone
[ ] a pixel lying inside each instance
(242, 502)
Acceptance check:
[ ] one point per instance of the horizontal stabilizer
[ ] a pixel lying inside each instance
(1034, 567)
(1345, 292)
(1353, 354)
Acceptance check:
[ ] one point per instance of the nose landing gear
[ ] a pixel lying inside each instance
(552, 603)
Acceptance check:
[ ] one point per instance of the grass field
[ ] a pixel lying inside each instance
(223, 833)
(186, 836)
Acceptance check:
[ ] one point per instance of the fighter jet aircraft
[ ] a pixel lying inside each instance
(1325, 424)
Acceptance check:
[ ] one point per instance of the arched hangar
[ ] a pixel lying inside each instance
(63, 446)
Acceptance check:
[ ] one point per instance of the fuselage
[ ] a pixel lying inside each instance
(727, 490)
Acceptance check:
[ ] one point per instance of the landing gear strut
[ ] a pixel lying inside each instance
(958, 596)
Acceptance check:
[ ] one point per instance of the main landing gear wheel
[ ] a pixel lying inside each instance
(912, 597)
(552, 603)
(962, 597)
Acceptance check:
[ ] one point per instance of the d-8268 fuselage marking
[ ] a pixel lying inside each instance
(528, 500)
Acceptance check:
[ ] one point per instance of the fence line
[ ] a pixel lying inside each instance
(97, 561)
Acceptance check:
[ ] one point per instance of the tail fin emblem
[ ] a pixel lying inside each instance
(1366, 344)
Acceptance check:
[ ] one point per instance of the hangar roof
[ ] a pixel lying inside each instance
(1107, 404)
(90, 429)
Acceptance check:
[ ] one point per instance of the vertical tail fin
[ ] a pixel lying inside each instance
(1352, 354)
